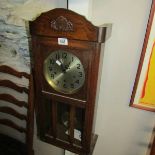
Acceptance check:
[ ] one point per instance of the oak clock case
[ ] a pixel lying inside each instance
(65, 78)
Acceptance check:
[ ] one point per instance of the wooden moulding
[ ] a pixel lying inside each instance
(68, 24)
(72, 148)
(12, 99)
(13, 112)
(12, 125)
(11, 71)
(10, 84)
(28, 118)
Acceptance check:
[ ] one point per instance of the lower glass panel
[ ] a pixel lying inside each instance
(63, 121)
(64, 125)
(79, 126)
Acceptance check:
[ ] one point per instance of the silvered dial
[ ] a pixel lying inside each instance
(64, 72)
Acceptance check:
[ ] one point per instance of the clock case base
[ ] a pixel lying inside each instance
(72, 148)
(84, 40)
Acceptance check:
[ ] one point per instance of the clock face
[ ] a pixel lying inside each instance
(64, 72)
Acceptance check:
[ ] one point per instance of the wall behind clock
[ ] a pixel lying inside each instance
(122, 130)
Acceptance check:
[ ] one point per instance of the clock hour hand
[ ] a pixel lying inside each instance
(59, 63)
(67, 67)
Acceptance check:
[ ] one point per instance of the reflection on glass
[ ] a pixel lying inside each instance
(67, 131)
(79, 125)
(63, 121)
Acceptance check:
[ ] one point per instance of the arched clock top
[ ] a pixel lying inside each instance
(67, 24)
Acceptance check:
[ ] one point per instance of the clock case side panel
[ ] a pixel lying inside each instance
(39, 109)
(95, 79)
(92, 100)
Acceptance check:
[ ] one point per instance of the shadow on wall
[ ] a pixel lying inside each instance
(151, 146)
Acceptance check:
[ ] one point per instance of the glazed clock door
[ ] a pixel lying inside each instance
(63, 76)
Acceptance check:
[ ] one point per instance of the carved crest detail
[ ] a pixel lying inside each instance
(62, 24)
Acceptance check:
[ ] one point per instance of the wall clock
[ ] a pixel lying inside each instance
(64, 72)
(66, 52)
